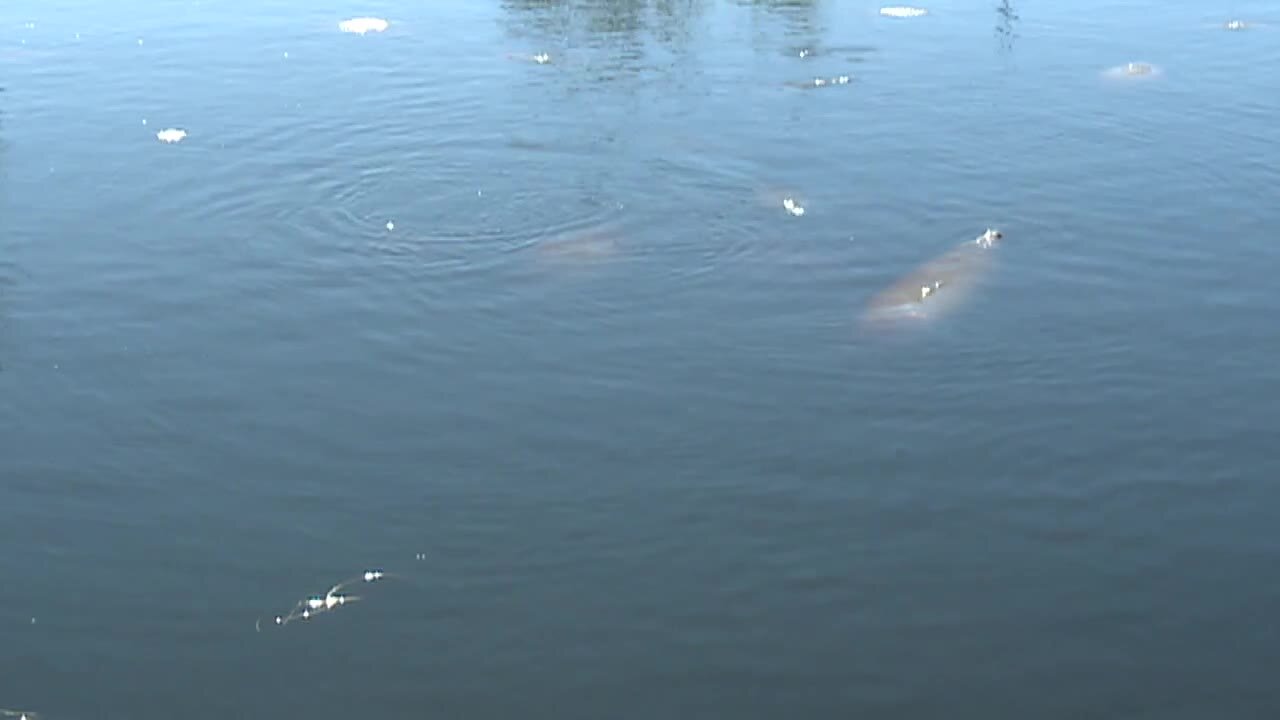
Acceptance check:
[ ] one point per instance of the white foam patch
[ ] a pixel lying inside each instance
(171, 135)
(900, 11)
(362, 25)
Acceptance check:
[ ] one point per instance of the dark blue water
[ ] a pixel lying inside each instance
(610, 414)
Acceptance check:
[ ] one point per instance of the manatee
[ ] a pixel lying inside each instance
(1240, 25)
(820, 82)
(541, 58)
(583, 246)
(853, 53)
(786, 200)
(935, 286)
(1133, 71)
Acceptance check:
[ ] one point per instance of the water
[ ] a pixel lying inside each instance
(614, 396)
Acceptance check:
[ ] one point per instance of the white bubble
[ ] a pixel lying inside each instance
(391, 225)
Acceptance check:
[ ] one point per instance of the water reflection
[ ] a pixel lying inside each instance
(800, 20)
(596, 23)
(802, 12)
(1006, 24)
(603, 40)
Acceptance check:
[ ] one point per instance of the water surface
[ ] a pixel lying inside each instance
(605, 405)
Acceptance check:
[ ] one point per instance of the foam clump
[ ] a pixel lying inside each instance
(362, 25)
(900, 11)
(171, 135)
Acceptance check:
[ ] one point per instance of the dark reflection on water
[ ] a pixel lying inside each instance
(1006, 24)
(617, 24)
(802, 21)
(603, 41)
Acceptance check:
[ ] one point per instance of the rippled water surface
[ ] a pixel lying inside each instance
(541, 340)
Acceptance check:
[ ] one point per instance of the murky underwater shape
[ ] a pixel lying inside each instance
(822, 82)
(1133, 71)
(541, 58)
(936, 287)
(585, 246)
(790, 201)
(1239, 25)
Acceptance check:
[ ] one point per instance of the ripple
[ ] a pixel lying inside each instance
(478, 239)
(741, 225)
(586, 231)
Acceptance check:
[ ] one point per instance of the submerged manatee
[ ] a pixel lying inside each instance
(1133, 71)
(580, 247)
(853, 53)
(788, 200)
(933, 287)
(1239, 25)
(541, 58)
(820, 82)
